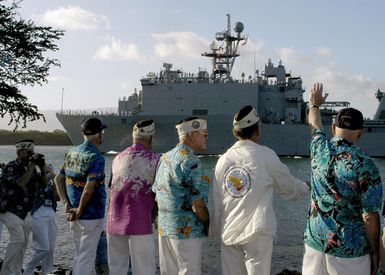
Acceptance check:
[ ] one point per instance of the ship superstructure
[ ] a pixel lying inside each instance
(171, 95)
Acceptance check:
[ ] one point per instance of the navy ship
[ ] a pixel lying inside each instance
(171, 95)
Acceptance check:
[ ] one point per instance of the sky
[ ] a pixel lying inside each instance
(109, 45)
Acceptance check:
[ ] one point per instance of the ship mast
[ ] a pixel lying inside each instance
(223, 56)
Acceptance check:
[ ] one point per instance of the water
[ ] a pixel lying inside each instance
(291, 216)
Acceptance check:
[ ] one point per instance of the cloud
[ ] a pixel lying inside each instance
(126, 85)
(185, 48)
(179, 46)
(128, 88)
(116, 50)
(74, 18)
(324, 51)
(56, 78)
(352, 88)
(289, 56)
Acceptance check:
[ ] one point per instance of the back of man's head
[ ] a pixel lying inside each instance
(350, 119)
(246, 123)
(349, 124)
(190, 124)
(92, 129)
(143, 130)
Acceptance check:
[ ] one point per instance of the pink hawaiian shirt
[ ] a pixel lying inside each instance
(131, 198)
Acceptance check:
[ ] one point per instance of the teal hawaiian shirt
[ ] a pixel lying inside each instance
(180, 181)
(345, 183)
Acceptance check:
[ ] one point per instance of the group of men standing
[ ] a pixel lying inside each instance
(342, 233)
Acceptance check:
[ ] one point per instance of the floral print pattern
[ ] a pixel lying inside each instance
(345, 183)
(82, 164)
(179, 181)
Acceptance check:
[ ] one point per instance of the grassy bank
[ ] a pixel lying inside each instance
(57, 137)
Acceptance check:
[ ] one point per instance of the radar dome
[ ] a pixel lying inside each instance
(238, 27)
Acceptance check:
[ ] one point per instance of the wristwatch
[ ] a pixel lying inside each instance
(313, 106)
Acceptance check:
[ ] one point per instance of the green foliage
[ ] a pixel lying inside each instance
(57, 137)
(22, 45)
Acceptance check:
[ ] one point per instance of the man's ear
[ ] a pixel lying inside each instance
(360, 133)
(258, 132)
(334, 129)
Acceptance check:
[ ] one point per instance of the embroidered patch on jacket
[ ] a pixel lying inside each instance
(237, 181)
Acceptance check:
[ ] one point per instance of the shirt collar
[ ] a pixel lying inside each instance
(341, 140)
(90, 144)
(244, 142)
(138, 146)
(185, 147)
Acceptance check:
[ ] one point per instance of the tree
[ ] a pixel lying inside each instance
(22, 45)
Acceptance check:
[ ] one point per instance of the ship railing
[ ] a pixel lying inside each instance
(374, 122)
(88, 113)
(197, 79)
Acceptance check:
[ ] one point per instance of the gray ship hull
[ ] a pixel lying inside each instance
(285, 140)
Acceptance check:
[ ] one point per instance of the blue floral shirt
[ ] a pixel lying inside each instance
(179, 181)
(345, 183)
(83, 164)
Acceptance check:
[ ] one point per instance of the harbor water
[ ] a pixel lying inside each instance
(291, 216)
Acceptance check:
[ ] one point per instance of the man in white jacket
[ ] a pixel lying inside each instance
(245, 178)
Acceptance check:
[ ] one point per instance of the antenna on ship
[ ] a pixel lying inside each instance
(62, 97)
(223, 57)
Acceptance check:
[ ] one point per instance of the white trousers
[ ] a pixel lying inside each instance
(44, 232)
(141, 249)
(318, 263)
(180, 257)
(19, 231)
(86, 235)
(251, 258)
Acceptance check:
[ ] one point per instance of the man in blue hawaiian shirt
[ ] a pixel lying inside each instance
(80, 185)
(181, 192)
(343, 227)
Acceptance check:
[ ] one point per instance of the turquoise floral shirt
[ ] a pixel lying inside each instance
(179, 181)
(345, 183)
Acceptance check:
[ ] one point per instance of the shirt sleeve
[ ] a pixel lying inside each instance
(317, 142)
(369, 181)
(216, 215)
(62, 167)
(96, 170)
(10, 174)
(200, 183)
(157, 175)
(287, 186)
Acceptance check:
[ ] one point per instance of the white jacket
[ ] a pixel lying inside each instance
(245, 178)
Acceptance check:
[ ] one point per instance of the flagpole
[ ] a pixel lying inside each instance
(62, 97)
